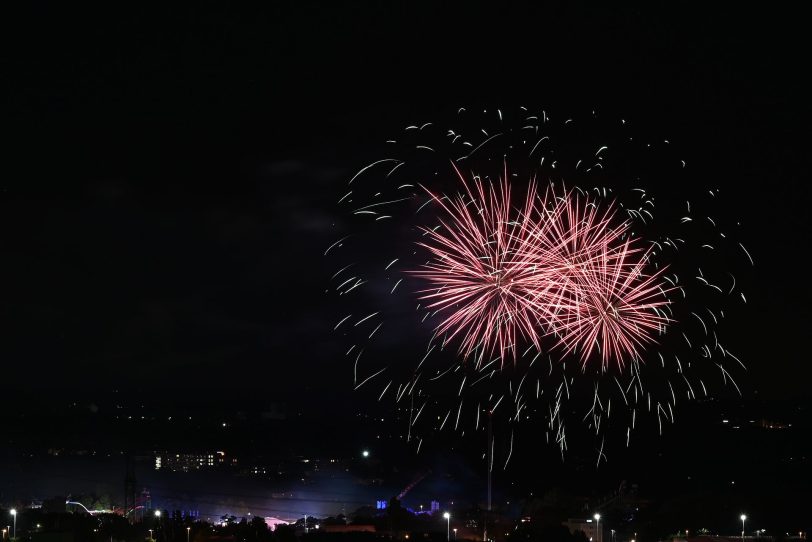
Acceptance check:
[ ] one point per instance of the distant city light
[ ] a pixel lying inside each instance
(365, 453)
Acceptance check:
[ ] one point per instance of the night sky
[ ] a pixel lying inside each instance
(171, 175)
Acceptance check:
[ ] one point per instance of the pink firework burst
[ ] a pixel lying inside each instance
(478, 280)
(555, 266)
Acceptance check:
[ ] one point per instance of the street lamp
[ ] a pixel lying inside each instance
(150, 533)
(598, 527)
(187, 533)
(365, 453)
(743, 517)
(157, 519)
(447, 517)
(14, 515)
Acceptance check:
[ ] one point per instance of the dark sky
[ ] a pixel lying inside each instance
(170, 183)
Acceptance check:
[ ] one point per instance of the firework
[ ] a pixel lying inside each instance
(476, 275)
(506, 244)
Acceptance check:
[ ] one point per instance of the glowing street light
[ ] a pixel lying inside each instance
(447, 517)
(158, 519)
(187, 533)
(365, 453)
(455, 532)
(13, 513)
(743, 517)
(598, 527)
